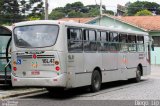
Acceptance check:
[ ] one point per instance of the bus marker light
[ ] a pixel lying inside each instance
(15, 79)
(56, 62)
(57, 68)
(15, 68)
(14, 63)
(55, 80)
(34, 56)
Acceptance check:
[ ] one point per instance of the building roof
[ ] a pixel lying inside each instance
(146, 23)
(79, 20)
(150, 23)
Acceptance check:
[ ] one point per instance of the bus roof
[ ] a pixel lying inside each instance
(75, 24)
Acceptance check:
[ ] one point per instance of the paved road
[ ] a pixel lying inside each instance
(147, 89)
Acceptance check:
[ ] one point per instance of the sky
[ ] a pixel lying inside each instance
(110, 4)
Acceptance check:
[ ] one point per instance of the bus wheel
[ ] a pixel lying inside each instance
(138, 75)
(96, 81)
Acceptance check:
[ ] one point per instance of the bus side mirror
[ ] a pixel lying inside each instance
(152, 46)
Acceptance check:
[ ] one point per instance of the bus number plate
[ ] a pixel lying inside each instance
(35, 72)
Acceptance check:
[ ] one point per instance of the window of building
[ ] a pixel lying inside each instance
(156, 41)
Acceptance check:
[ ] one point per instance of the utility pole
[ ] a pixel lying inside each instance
(100, 7)
(46, 9)
(100, 12)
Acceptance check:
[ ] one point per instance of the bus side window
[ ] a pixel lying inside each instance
(113, 38)
(74, 36)
(104, 41)
(132, 43)
(90, 40)
(140, 43)
(123, 42)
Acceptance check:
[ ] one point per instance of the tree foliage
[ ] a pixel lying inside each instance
(32, 8)
(18, 10)
(9, 11)
(77, 9)
(137, 6)
(143, 13)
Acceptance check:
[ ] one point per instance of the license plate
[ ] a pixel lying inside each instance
(35, 72)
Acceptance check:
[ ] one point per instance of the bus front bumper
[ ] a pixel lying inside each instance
(59, 81)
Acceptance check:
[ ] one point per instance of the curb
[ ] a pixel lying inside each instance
(30, 91)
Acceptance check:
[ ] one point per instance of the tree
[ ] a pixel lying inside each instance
(77, 9)
(9, 11)
(33, 18)
(133, 8)
(74, 6)
(143, 13)
(74, 14)
(32, 8)
(93, 12)
(19, 10)
(110, 12)
(54, 15)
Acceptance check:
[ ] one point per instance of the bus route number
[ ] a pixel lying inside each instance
(47, 61)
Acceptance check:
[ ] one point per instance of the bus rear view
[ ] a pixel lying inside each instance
(35, 57)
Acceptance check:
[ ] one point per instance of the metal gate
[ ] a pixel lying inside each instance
(5, 40)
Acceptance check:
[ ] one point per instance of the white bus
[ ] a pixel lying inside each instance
(56, 54)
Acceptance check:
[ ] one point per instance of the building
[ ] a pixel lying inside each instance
(150, 24)
(121, 10)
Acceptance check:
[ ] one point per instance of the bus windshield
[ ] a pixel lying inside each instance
(31, 36)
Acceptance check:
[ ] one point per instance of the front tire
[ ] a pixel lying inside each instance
(96, 81)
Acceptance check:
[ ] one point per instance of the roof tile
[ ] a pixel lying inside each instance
(151, 23)
(79, 20)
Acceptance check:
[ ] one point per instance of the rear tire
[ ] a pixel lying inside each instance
(96, 81)
(138, 75)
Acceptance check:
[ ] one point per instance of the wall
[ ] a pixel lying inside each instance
(110, 22)
(155, 56)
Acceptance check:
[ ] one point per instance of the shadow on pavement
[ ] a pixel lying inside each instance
(76, 92)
